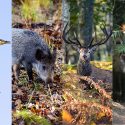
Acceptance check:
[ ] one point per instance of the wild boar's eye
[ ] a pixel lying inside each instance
(44, 67)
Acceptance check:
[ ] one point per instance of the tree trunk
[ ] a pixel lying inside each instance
(118, 75)
(86, 20)
(65, 19)
(109, 21)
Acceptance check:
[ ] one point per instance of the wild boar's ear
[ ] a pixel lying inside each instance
(39, 54)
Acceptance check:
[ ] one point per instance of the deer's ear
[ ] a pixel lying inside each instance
(93, 49)
(39, 55)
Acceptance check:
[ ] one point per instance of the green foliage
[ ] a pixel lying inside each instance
(45, 3)
(119, 49)
(30, 118)
(69, 67)
(118, 35)
(101, 9)
(74, 11)
(31, 9)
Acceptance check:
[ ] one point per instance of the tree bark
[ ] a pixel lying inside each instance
(65, 19)
(86, 20)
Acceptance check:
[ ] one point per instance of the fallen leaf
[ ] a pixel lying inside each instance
(66, 116)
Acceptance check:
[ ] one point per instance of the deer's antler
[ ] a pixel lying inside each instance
(74, 41)
(108, 35)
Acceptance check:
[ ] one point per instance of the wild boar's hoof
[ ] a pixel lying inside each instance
(38, 79)
(50, 85)
(49, 81)
(30, 81)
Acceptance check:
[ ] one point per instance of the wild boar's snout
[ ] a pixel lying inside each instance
(49, 80)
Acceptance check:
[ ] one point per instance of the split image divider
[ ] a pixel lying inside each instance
(5, 62)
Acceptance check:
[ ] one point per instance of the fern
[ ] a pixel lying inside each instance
(119, 49)
(118, 34)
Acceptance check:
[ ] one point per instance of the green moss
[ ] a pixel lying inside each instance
(30, 118)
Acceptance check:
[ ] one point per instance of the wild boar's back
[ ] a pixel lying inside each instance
(24, 45)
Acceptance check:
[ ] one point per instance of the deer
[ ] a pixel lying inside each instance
(84, 67)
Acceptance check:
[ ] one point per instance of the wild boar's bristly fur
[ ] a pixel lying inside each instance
(30, 50)
(25, 45)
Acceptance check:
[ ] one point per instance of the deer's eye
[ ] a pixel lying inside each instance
(89, 51)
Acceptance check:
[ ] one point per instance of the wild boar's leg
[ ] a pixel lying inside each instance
(28, 68)
(16, 70)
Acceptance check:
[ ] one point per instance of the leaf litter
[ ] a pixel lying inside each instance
(75, 100)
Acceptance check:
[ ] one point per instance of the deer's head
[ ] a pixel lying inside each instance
(85, 51)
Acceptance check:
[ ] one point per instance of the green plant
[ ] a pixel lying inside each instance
(119, 49)
(118, 34)
(29, 10)
(30, 118)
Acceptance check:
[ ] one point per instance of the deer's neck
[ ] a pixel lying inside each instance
(84, 68)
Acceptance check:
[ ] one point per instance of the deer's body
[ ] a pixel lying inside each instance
(83, 66)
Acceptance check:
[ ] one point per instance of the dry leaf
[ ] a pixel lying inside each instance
(66, 116)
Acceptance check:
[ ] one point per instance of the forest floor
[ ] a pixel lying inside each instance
(73, 100)
(118, 109)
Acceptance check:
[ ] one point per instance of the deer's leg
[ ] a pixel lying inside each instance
(16, 71)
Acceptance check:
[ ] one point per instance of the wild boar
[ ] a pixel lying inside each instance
(30, 50)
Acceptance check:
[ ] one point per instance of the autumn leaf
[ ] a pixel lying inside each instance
(102, 65)
(66, 116)
(100, 115)
(92, 123)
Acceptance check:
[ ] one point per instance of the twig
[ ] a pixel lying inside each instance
(77, 118)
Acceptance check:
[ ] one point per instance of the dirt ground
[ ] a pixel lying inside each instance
(118, 110)
(104, 75)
